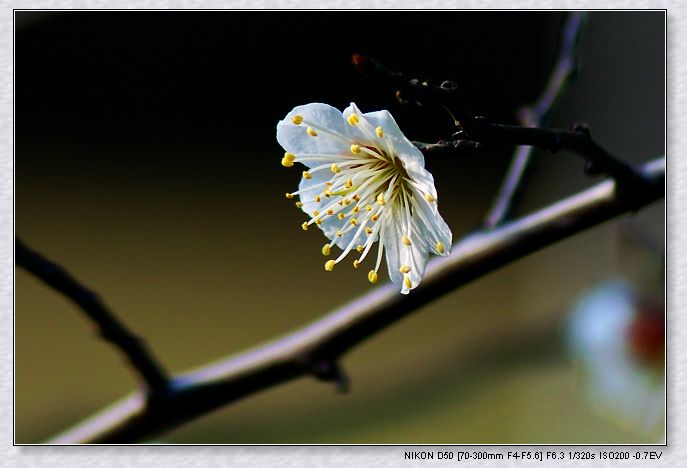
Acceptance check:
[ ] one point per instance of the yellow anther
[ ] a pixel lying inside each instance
(374, 217)
(355, 149)
(354, 221)
(368, 231)
(299, 204)
(372, 276)
(339, 234)
(341, 216)
(379, 132)
(297, 119)
(347, 201)
(290, 157)
(356, 208)
(404, 269)
(407, 283)
(311, 132)
(288, 195)
(406, 241)
(328, 184)
(286, 163)
(360, 248)
(430, 198)
(356, 197)
(307, 175)
(317, 198)
(356, 263)
(353, 119)
(380, 199)
(340, 202)
(349, 183)
(326, 249)
(330, 212)
(305, 226)
(440, 247)
(327, 193)
(368, 207)
(335, 169)
(318, 221)
(329, 266)
(315, 213)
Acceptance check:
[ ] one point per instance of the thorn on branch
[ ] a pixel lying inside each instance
(330, 371)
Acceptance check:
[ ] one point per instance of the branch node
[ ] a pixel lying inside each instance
(581, 127)
(450, 86)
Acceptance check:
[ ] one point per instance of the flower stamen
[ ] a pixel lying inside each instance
(373, 190)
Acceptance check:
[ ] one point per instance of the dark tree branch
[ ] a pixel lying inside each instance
(579, 141)
(325, 341)
(109, 327)
(533, 116)
(631, 183)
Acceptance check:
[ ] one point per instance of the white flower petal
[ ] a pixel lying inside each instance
(309, 191)
(331, 224)
(295, 139)
(392, 245)
(433, 225)
(393, 139)
(414, 256)
(358, 193)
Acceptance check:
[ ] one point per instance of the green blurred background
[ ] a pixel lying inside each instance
(146, 164)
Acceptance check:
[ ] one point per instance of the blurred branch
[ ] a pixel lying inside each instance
(534, 116)
(110, 328)
(317, 348)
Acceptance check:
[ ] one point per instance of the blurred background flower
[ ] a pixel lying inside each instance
(618, 338)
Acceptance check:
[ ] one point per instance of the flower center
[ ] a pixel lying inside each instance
(391, 166)
(355, 195)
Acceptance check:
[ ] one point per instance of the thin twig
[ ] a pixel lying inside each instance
(326, 340)
(478, 129)
(110, 328)
(534, 116)
(462, 148)
(445, 95)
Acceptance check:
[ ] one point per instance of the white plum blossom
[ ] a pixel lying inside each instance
(365, 182)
